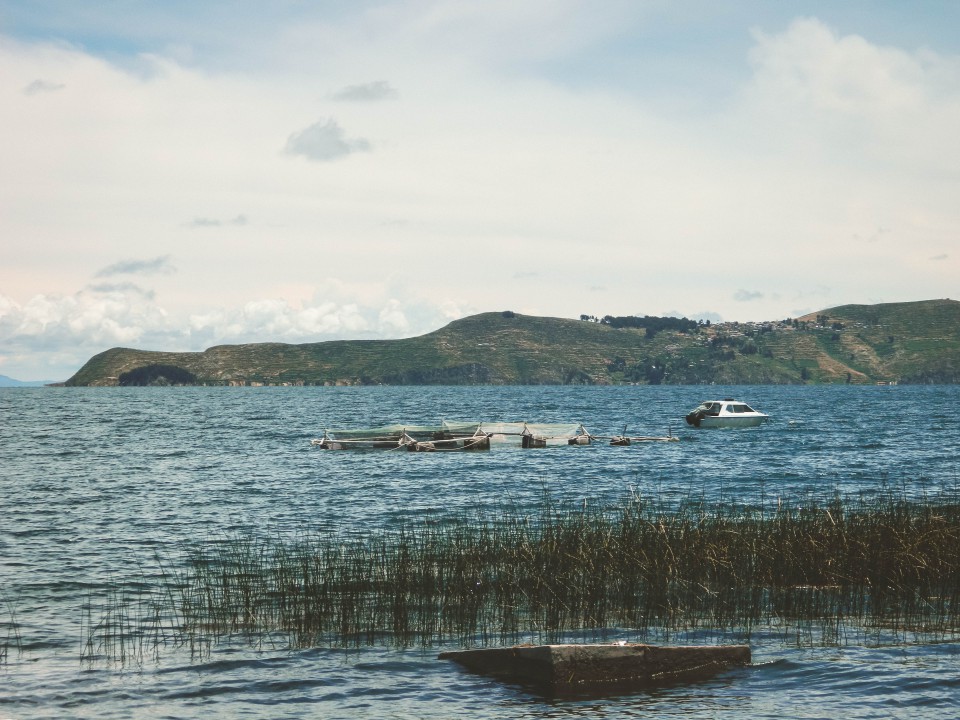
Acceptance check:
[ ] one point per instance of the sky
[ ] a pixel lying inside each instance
(179, 175)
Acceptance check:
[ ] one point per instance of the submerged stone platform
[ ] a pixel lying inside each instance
(596, 668)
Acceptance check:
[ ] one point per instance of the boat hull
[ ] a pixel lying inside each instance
(732, 422)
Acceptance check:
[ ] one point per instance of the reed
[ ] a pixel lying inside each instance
(880, 569)
(10, 638)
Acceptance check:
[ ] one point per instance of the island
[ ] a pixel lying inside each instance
(889, 343)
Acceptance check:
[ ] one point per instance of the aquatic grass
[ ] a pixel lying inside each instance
(134, 619)
(10, 638)
(118, 632)
(872, 569)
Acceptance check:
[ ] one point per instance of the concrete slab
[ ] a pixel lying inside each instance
(595, 668)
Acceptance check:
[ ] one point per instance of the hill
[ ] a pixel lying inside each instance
(11, 382)
(917, 342)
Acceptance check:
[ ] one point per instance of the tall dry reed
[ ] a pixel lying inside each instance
(884, 568)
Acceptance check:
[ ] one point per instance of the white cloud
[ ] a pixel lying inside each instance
(75, 327)
(202, 222)
(126, 315)
(153, 266)
(323, 141)
(123, 287)
(811, 64)
(42, 86)
(855, 101)
(392, 317)
(707, 316)
(367, 92)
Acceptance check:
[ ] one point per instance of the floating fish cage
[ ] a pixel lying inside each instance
(470, 436)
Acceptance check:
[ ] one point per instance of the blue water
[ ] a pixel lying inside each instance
(94, 483)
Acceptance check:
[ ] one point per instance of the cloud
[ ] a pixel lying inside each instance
(941, 257)
(393, 319)
(706, 315)
(368, 92)
(812, 64)
(201, 222)
(81, 322)
(158, 265)
(851, 101)
(324, 141)
(272, 320)
(747, 295)
(42, 86)
(124, 287)
(68, 330)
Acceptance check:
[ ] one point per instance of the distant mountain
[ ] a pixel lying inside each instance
(915, 342)
(10, 382)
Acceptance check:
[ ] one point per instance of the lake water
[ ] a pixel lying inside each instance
(94, 483)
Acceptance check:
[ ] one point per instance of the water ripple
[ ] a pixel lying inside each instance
(131, 474)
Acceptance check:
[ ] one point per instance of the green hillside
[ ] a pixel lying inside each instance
(916, 342)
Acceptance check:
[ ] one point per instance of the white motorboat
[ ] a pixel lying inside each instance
(726, 413)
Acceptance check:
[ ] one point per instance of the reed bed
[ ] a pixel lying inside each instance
(883, 569)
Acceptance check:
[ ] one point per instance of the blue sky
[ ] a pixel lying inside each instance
(178, 175)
